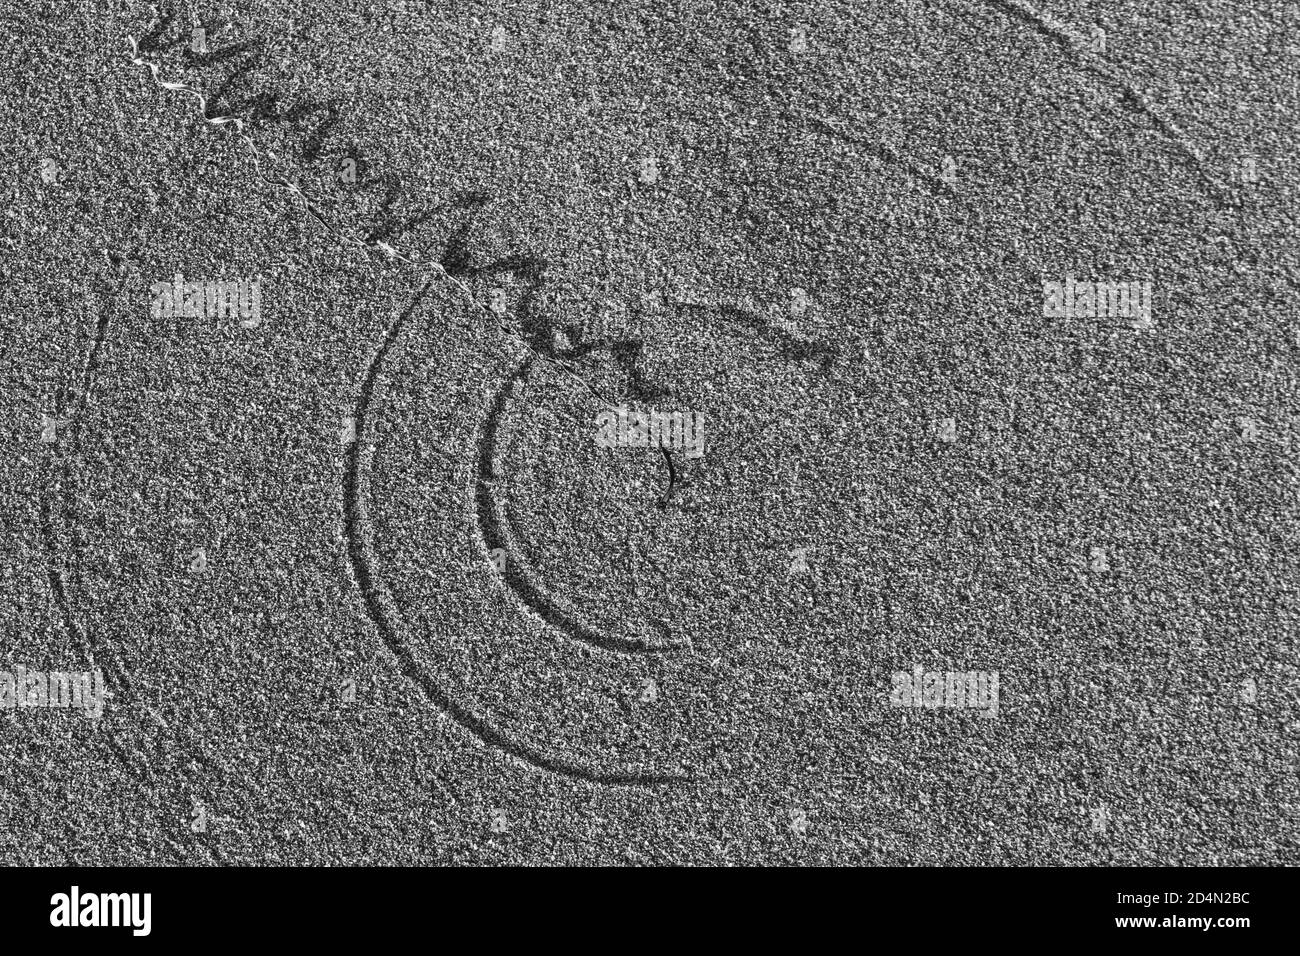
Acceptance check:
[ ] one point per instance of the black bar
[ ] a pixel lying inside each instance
(376, 906)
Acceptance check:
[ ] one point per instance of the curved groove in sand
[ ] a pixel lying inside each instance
(493, 534)
(379, 606)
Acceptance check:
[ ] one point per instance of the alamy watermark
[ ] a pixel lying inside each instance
(240, 298)
(75, 908)
(627, 428)
(956, 690)
(83, 690)
(1093, 300)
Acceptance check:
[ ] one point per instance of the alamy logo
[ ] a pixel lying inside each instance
(83, 690)
(957, 690)
(103, 909)
(1093, 300)
(240, 298)
(652, 429)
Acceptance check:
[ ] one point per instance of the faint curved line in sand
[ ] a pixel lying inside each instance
(132, 759)
(1059, 33)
